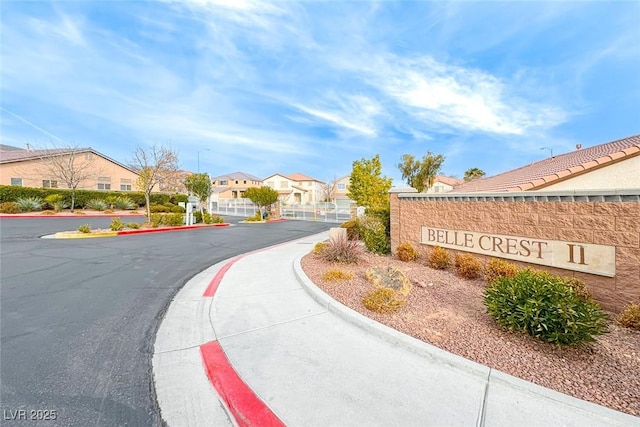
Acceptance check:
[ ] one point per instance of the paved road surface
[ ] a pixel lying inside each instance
(78, 317)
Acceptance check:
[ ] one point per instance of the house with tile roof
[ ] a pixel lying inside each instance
(444, 184)
(36, 168)
(296, 188)
(233, 185)
(611, 166)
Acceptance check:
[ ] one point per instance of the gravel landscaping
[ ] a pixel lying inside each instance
(448, 312)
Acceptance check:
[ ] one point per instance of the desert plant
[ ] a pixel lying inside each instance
(543, 306)
(439, 258)
(342, 250)
(156, 219)
(335, 275)
(85, 228)
(383, 300)
(133, 225)
(578, 287)
(29, 204)
(56, 201)
(215, 219)
(319, 247)
(499, 268)
(116, 224)
(96, 204)
(207, 218)
(107, 211)
(630, 317)
(374, 234)
(406, 252)
(352, 229)
(123, 203)
(159, 208)
(9, 208)
(256, 217)
(48, 212)
(173, 219)
(467, 266)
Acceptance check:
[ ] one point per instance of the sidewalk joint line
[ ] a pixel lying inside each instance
(483, 405)
(272, 325)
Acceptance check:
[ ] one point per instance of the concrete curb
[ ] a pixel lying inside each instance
(73, 235)
(19, 216)
(494, 377)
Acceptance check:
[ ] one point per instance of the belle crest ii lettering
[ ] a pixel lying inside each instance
(584, 257)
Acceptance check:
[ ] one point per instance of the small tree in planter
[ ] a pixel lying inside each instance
(199, 184)
(263, 197)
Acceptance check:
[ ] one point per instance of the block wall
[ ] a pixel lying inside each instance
(587, 219)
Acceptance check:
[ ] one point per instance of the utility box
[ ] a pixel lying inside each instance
(337, 233)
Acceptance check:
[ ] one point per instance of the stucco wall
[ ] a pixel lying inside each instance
(610, 218)
(616, 176)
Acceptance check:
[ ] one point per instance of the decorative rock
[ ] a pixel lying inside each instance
(389, 277)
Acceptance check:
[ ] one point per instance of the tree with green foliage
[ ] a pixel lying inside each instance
(368, 187)
(262, 196)
(199, 184)
(420, 174)
(473, 173)
(155, 164)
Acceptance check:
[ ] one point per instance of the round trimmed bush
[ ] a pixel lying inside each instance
(545, 307)
(406, 252)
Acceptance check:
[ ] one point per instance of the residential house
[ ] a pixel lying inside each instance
(611, 166)
(296, 188)
(233, 185)
(444, 184)
(47, 168)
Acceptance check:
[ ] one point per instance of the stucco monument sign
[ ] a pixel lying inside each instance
(584, 257)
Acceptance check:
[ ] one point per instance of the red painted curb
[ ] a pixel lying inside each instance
(278, 220)
(215, 282)
(246, 407)
(156, 230)
(70, 216)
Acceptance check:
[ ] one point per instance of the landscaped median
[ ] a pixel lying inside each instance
(110, 233)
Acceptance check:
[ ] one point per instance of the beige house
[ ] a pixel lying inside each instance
(48, 169)
(233, 185)
(611, 166)
(296, 188)
(444, 184)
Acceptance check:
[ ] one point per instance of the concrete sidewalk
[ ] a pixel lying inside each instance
(314, 362)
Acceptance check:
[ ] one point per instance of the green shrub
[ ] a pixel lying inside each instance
(207, 218)
(467, 266)
(496, 268)
(215, 219)
(85, 228)
(158, 208)
(630, 317)
(256, 217)
(9, 208)
(56, 201)
(439, 258)
(383, 300)
(133, 225)
(352, 229)
(123, 203)
(374, 235)
(96, 204)
(319, 247)
(156, 219)
(543, 306)
(116, 224)
(173, 219)
(29, 204)
(342, 250)
(406, 252)
(178, 209)
(335, 275)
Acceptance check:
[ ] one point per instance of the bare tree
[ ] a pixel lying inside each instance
(155, 165)
(70, 165)
(328, 189)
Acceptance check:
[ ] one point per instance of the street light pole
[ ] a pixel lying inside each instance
(202, 149)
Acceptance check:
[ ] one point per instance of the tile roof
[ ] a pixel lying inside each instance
(449, 180)
(555, 169)
(238, 176)
(300, 177)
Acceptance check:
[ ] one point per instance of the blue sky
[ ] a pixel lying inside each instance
(310, 87)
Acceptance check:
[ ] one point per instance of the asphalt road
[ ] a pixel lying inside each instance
(78, 317)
